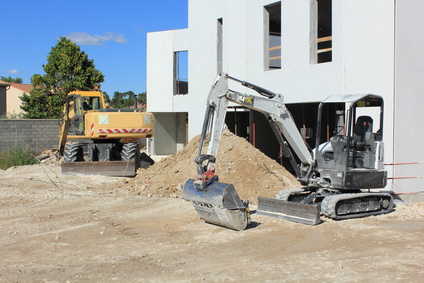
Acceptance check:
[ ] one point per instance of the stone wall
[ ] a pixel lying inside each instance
(37, 134)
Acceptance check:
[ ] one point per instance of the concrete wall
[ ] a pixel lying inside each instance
(160, 69)
(38, 135)
(170, 119)
(244, 49)
(298, 80)
(369, 58)
(408, 100)
(170, 133)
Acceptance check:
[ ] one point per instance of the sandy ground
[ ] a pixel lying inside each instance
(57, 228)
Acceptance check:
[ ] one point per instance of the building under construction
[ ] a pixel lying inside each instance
(307, 50)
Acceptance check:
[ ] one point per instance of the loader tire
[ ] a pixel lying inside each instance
(130, 151)
(73, 152)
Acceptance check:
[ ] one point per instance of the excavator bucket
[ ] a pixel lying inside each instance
(218, 203)
(291, 211)
(104, 168)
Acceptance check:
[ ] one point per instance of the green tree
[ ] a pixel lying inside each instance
(9, 79)
(126, 99)
(67, 69)
(142, 97)
(123, 99)
(106, 97)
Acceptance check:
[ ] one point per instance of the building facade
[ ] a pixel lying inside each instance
(10, 103)
(306, 50)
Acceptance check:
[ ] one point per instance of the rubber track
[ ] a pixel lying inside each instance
(328, 205)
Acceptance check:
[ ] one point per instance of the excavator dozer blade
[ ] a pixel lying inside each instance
(218, 203)
(104, 168)
(291, 211)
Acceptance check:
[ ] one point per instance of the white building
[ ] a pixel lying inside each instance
(306, 50)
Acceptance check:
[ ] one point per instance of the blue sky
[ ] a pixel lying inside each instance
(112, 33)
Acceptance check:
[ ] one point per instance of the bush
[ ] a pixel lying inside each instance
(16, 156)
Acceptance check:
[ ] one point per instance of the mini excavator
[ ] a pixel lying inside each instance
(336, 175)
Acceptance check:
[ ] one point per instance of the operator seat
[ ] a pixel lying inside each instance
(362, 133)
(86, 106)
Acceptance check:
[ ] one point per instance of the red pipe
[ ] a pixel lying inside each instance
(406, 163)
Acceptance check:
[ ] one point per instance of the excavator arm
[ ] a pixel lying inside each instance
(271, 105)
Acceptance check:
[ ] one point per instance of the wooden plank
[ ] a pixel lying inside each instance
(325, 39)
(275, 58)
(324, 50)
(274, 48)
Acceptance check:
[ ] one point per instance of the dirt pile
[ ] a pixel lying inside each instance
(251, 172)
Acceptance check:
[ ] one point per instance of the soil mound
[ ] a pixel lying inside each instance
(251, 172)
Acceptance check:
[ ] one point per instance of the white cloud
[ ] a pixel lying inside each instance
(83, 38)
(11, 72)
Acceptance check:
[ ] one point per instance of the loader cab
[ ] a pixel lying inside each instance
(92, 103)
(77, 105)
(351, 144)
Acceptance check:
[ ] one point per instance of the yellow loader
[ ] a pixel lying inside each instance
(102, 140)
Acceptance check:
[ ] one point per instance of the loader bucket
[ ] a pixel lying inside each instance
(291, 211)
(104, 168)
(218, 203)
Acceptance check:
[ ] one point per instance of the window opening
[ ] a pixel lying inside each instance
(91, 103)
(180, 72)
(273, 36)
(340, 124)
(324, 31)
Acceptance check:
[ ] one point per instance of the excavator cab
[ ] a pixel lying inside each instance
(353, 157)
(348, 162)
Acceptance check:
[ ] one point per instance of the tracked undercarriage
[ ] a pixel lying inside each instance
(305, 206)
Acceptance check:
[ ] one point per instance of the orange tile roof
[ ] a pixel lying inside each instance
(24, 87)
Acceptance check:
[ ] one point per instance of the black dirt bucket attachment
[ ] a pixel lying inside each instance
(291, 211)
(218, 203)
(104, 168)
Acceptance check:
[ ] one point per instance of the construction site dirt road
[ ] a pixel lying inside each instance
(57, 228)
